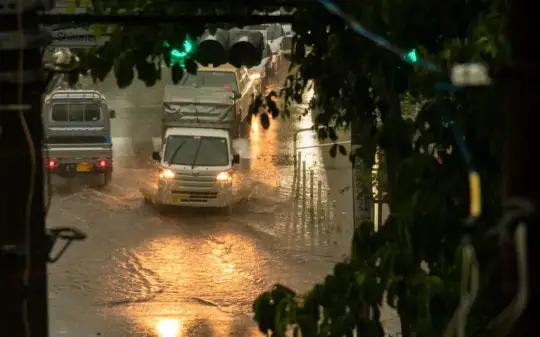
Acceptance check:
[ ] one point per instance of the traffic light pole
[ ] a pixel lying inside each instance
(522, 172)
(23, 252)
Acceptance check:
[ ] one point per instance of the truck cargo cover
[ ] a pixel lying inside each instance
(198, 107)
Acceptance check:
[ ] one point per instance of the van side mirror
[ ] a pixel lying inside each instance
(236, 159)
(112, 114)
(236, 95)
(156, 156)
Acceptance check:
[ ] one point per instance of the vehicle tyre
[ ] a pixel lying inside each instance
(163, 210)
(105, 178)
(227, 210)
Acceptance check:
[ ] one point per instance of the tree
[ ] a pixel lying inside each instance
(429, 201)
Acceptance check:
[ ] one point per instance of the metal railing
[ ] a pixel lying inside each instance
(314, 193)
(316, 204)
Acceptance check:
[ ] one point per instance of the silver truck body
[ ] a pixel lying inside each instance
(78, 134)
(202, 119)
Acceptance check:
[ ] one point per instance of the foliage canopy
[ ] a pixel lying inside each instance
(359, 83)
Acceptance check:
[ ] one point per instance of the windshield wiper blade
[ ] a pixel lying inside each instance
(196, 154)
(176, 151)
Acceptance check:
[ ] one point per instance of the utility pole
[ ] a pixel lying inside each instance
(362, 199)
(521, 170)
(23, 252)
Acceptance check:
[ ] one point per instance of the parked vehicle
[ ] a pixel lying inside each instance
(78, 134)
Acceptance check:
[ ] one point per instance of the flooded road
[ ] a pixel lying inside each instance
(193, 272)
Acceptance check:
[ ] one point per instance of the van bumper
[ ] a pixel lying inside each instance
(217, 197)
(64, 161)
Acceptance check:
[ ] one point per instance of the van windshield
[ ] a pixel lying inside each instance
(211, 79)
(196, 151)
(72, 112)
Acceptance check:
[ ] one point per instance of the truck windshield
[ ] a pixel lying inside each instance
(75, 112)
(211, 79)
(213, 151)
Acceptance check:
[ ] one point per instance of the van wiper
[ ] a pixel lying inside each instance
(176, 151)
(196, 154)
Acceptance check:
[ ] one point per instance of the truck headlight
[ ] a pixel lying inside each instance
(224, 177)
(166, 174)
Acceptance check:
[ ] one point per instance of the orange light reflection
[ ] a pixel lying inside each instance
(311, 155)
(264, 146)
(193, 269)
(169, 327)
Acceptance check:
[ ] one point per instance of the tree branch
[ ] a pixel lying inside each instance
(137, 20)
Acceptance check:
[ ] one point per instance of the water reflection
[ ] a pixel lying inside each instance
(307, 140)
(264, 145)
(168, 327)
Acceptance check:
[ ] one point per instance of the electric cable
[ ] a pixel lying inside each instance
(517, 211)
(31, 181)
(470, 275)
(377, 39)
(519, 303)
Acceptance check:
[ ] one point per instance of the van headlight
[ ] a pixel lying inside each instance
(166, 174)
(224, 177)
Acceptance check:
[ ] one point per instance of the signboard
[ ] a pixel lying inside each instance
(75, 38)
(70, 35)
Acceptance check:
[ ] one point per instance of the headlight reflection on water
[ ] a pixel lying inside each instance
(168, 327)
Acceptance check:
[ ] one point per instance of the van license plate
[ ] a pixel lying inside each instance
(177, 198)
(84, 167)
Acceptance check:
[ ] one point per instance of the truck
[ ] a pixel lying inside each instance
(195, 155)
(77, 127)
(226, 77)
(266, 72)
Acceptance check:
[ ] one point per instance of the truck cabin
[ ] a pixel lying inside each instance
(191, 147)
(224, 77)
(77, 116)
(198, 127)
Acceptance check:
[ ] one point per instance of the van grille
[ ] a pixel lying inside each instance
(76, 140)
(198, 196)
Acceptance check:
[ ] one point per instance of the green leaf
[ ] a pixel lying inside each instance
(256, 104)
(177, 73)
(299, 51)
(99, 30)
(123, 71)
(322, 134)
(191, 66)
(265, 121)
(72, 7)
(73, 77)
(332, 134)
(271, 104)
(264, 310)
(359, 278)
(147, 73)
(333, 151)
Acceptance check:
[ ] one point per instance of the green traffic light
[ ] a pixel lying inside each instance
(412, 56)
(179, 56)
(188, 46)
